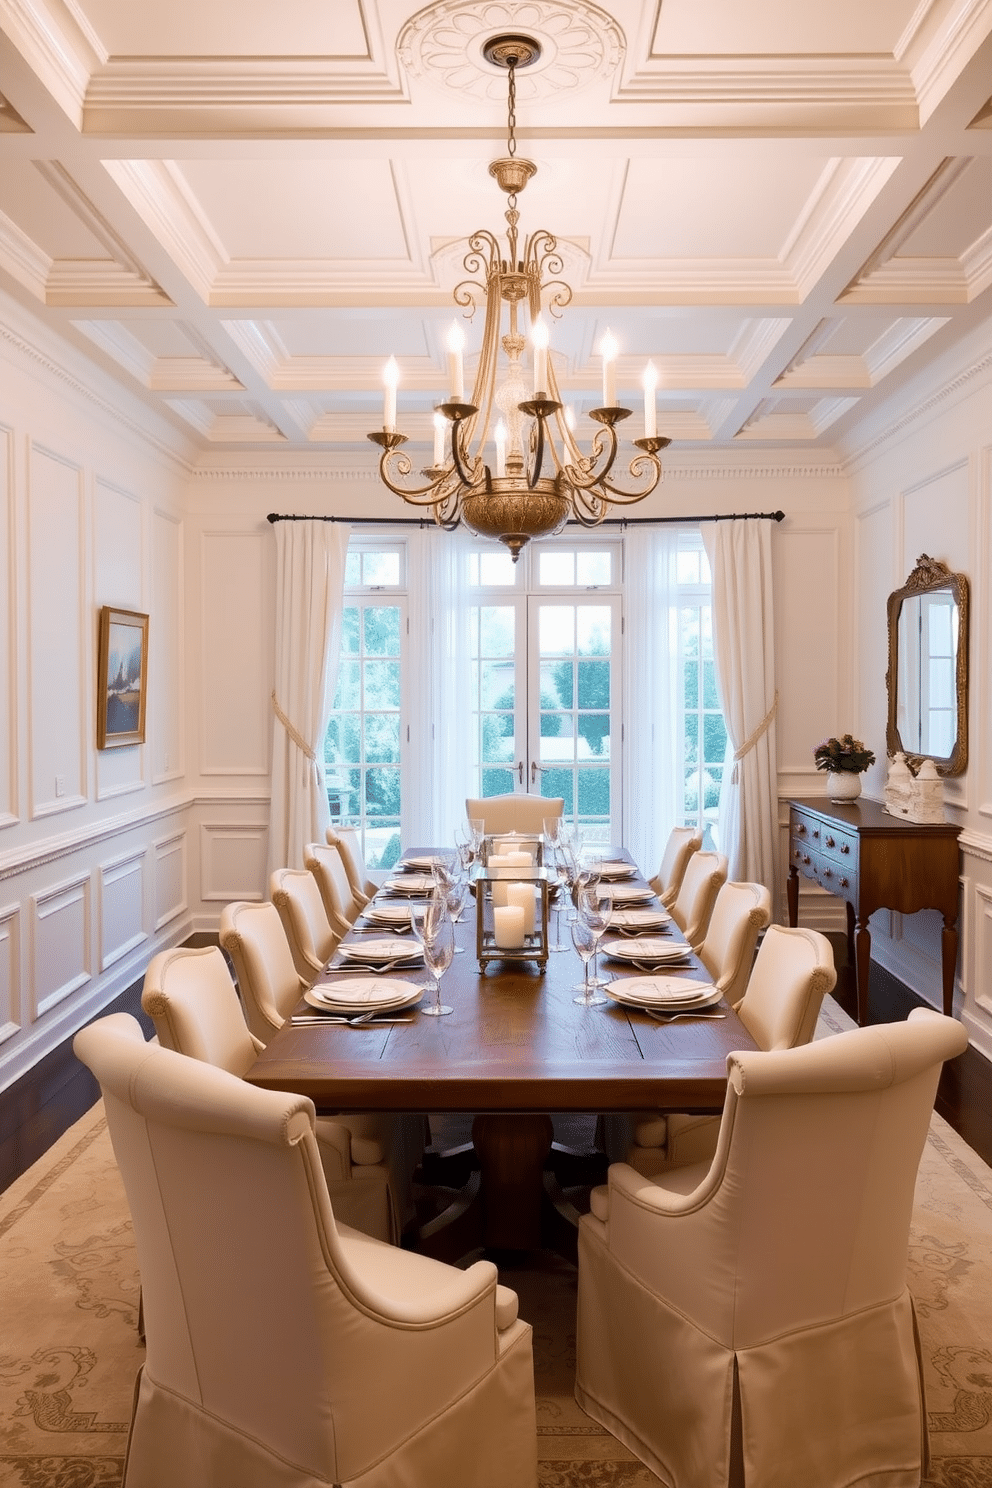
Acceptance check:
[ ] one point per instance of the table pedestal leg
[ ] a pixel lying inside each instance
(512, 1150)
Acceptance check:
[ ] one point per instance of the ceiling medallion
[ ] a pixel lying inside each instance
(537, 476)
(445, 44)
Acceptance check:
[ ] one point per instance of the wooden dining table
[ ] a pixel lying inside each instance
(515, 1049)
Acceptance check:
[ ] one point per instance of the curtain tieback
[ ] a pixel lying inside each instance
(755, 735)
(294, 733)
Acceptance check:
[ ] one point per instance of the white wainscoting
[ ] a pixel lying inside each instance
(61, 942)
(8, 655)
(233, 860)
(171, 893)
(10, 971)
(122, 911)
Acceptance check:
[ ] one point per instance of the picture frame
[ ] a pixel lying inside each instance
(122, 678)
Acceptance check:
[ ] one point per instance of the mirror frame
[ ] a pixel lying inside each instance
(931, 574)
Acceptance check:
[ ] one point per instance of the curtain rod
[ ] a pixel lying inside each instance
(776, 516)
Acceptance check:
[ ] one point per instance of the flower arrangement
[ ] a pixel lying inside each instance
(843, 756)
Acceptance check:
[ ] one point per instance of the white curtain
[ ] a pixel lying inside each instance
(654, 709)
(740, 555)
(441, 711)
(310, 564)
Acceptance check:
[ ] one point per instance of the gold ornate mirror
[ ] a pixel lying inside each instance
(927, 678)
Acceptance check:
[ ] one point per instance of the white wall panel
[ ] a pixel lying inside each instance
(10, 971)
(170, 879)
(8, 655)
(61, 958)
(59, 712)
(935, 519)
(235, 712)
(808, 634)
(233, 860)
(122, 885)
(874, 556)
(166, 651)
(117, 581)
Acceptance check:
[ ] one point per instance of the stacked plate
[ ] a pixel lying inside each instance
(360, 994)
(378, 913)
(647, 951)
(622, 893)
(423, 863)
(633, 921)
(414, 885)
(661, 993)
(383, 952)
(616, 870)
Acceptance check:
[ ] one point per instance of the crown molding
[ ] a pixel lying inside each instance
(958, 384)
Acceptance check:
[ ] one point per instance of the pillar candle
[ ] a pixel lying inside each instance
(522, 895)
(509, 926)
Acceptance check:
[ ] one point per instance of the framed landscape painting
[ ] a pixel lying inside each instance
(122, 680)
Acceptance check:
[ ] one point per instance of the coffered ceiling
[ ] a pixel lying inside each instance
(241, 209)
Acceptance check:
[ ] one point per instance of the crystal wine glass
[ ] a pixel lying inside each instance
(595, 907)
(584, 941)
(454, 898)
(439, 948)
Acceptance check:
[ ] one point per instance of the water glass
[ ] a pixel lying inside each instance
(584, 941)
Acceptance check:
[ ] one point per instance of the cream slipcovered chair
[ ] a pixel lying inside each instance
(747, 1321)
(346, 840)
(270, 986)
(682, 843)
(741, 912)
(793, 972)
(286, 1350)
(516, 812)
(328, 868)
(704, 877)
(190, 997)
(312, 939)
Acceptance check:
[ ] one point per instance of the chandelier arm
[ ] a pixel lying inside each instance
(650, 466)
(402, 466)
(589, 473)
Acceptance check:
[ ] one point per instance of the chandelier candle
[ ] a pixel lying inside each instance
(456, 373)
(390, 377)
(608, 351)
(650, 411)
(539, 337)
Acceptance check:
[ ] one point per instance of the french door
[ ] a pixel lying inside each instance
(548, 705)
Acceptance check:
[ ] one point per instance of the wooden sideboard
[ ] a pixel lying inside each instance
(875, 861)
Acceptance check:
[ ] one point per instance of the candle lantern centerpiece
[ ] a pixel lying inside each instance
(511, 910)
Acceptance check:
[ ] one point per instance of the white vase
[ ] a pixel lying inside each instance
(843, 785)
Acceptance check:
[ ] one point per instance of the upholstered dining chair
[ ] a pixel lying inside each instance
(793, 972)
(312, 938)
(747, 1320)
(268, 981)
(741, 912)
(682, 843)
(190, 997)
(348, 843)
(328, 868)
(285, 1349)
(704, 877)
(514, 812)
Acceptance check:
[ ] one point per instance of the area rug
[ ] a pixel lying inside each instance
(69, 1348)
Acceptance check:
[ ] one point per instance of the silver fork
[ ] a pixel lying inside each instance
(360, 1020)
(672, 1017)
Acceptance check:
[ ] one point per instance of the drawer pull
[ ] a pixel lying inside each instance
(845, 883)
(845, 847)
(828, 873)
(800, 829)
(830, 841)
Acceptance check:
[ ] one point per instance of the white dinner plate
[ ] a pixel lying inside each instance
(631, 893)
(414, 884)
(353, 994)
(647, 948)
(617, 870)
(639, 919)
(375, 952)
(662, 992)
(423, 863)
(387, 914)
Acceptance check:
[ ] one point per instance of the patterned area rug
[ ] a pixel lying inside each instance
(69, 1349)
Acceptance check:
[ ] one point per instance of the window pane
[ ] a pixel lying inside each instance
(556, 684)
(594, 684)
(556, 568)
(559, 783)
(381, 568)
(492, 566)
(594, 793)
(352, 570)
(382, 738)
(348, 692)
(382, 630)
(593, 631)
(496, 685)
(496, 630)
(557, 630)
(382, 684)
(350, 622)
(594, 729)
(593, 568)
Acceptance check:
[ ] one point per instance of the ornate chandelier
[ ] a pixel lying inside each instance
(512, 498)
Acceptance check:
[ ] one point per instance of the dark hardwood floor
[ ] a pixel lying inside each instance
(37, 1109)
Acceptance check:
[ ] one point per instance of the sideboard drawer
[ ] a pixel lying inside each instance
(841, 847)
